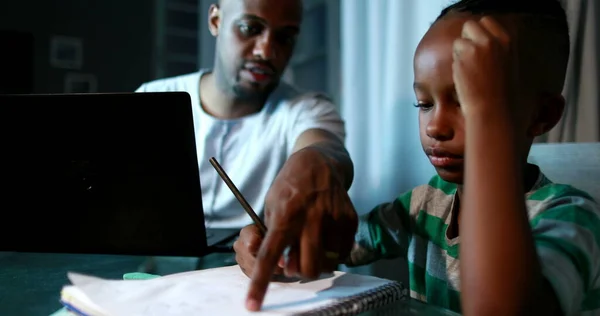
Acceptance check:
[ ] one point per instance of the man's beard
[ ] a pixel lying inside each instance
(231, 84)
(253, 93)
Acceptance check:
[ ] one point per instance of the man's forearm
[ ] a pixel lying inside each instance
(338, 157)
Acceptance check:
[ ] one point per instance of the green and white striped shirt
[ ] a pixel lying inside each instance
(565, 225)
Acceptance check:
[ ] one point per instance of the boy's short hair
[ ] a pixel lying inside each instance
(546, 19)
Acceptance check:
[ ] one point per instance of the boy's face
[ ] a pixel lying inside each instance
(441, 123)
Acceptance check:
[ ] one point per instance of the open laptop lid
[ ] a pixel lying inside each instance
(100, 173)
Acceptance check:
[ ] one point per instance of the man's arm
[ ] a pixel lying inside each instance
(317, 127)
(330, 146)
(307, 207)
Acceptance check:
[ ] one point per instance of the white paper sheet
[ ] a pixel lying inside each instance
(220, 291)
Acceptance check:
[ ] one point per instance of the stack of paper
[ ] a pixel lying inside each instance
(222, 291)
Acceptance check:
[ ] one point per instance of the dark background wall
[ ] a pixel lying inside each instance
(118, 41)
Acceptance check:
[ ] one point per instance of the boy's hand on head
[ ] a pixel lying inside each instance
(485, 72)
(484, 67)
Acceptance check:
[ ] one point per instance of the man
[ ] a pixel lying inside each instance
(283, 149)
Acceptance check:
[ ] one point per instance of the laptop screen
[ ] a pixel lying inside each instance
(100, 173)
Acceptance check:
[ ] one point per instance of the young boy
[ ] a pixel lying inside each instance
(488, 79)
(485, 88)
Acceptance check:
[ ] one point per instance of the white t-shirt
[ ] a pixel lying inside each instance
(251, 149)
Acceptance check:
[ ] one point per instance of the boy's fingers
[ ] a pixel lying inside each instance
(494, 28)
(462, 47)
(475, 32)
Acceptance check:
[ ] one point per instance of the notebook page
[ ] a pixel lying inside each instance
(219, 291)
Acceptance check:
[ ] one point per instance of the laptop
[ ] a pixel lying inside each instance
(104, 173)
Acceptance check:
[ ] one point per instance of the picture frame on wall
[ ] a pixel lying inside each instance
(66, 52)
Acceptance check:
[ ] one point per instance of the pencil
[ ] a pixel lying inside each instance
(238, 195)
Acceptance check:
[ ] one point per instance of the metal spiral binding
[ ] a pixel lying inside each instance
(362, 302)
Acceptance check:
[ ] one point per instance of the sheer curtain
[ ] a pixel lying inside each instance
(581, 121)
(378, 39)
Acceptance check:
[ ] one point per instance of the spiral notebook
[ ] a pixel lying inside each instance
(222, 291)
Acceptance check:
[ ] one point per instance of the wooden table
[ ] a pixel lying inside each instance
(30, 283)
